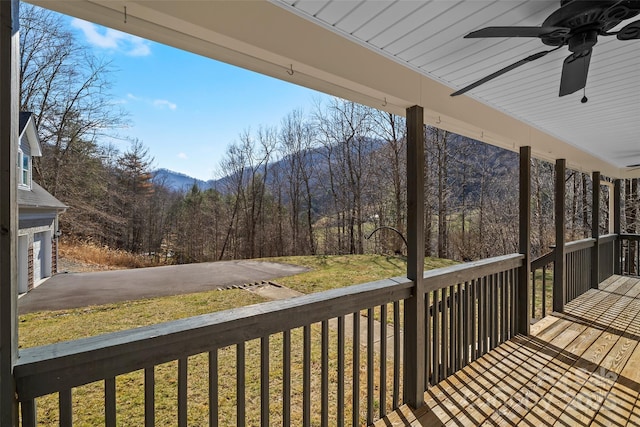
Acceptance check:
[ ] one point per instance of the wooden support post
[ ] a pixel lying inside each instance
(414, 307)
(524, 273)
(9, 103)
(595, 230)
(617, 211)
(559, 276)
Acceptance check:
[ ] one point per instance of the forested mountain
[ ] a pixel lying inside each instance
(176, 181)
(319, 183)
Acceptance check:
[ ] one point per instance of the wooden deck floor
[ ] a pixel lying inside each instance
(578, 368)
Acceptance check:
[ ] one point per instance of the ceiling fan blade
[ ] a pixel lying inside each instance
(630, 31)
(503, 71)
(516, 32)
(574, 72)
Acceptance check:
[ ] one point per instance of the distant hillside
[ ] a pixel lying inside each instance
(177, 181)
(464, 154)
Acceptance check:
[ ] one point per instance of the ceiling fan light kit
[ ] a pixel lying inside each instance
(577, 25)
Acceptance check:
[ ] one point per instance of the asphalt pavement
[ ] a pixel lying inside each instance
(74, 290)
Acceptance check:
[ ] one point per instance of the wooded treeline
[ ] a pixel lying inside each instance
(319, 183)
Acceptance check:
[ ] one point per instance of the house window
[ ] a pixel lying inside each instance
(25, 169)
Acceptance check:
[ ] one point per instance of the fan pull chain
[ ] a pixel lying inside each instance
(584, 89)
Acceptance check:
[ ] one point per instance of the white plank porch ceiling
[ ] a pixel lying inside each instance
(427, 36)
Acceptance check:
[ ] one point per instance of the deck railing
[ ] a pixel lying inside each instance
(471, 310)
(303, 361)
(607, 256)
(630, 254)
(541, 282)
(578, 268)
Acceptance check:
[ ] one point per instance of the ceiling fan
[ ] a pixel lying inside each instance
(576, 24)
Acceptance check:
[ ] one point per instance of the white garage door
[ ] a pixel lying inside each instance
(41, 256)
(37, 257)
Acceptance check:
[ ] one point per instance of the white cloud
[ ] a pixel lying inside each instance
(162, 103)
(157, 103)
(183, 156)
(106, 38)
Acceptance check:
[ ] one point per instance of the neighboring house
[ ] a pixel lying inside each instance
(38, 212)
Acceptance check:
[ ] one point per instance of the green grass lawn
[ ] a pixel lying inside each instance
(337, 271)
(327, 272)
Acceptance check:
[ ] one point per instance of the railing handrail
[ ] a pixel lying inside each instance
(543, 260)
(578, 245)
(607, 238)
(460, 273)
(630, 236)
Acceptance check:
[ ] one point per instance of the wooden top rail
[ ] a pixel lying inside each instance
(572, 247)
(630, 236)
(543, 260)
(47, 369)
(608, 238)
(447, 276)
(579, 245)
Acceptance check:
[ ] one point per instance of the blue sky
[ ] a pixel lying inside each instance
(186, 108)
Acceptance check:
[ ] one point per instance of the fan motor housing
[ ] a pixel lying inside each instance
(583, 41)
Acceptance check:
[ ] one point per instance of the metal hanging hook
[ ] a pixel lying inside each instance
(290, 70)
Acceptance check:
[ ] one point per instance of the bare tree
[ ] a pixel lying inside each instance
(392, 130)
(345, 132)
(296, 145)
(67, 88)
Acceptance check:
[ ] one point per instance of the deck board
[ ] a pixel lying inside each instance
(581, 367)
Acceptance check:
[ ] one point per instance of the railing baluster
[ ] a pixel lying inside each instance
(324, 371)
(213, 388)
(544, 291)
(473, 294)
(494, 310)
(482, 326)
(500, 308)
(445, 334)
(459, 328)
(110, 402)
(428, 354)
(383, 361)
(436, 337)
(453, 327)
(341, 373)
(306, 376)
(487, 314)
(28, 411)
(182, 392)
(149, 397)
(264, 381)
(506, 305)
(513, 302)
(64, 404)
(240, 385)
(286, 378)
(533, 294)
(396, 355)
(370, 370)
(356, 370)
(466, 325)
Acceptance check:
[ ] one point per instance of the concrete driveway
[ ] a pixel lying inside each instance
(73, 290)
